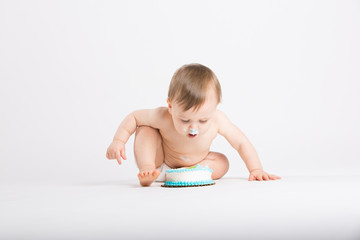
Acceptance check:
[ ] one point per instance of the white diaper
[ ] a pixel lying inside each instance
(162, 169)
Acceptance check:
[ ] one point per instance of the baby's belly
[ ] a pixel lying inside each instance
(176, 160)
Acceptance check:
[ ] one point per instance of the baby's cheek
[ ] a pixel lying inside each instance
(205, 128)
(180, 128)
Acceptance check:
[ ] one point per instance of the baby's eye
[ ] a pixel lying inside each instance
(185, 121)
(203, 121)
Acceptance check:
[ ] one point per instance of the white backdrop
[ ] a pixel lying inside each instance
(70, 71)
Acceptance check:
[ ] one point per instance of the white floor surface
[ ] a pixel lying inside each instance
(296, 207)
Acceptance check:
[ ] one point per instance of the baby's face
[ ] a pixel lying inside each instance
(192, 123)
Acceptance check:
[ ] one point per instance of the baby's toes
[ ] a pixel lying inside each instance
(155, 172)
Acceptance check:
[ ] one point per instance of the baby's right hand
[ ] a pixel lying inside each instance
(116, 150)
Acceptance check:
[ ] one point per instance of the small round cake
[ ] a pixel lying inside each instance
(188, 177)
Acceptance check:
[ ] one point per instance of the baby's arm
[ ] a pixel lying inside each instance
(146, 117)
(247, 152)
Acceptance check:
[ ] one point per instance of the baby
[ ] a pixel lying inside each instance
(180, 134)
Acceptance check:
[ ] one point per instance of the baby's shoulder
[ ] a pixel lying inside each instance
(161, 111)
(221, 120)
(219, 116)
(161, 114)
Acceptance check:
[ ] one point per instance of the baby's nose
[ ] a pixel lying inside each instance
(193, 126)
(193, 131)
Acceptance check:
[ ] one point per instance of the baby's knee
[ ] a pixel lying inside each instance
(224, 161)
(146, 130)
(221, 167)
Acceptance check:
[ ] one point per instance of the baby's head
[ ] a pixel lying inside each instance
(193, 96)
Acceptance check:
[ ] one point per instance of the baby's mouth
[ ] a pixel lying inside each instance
(190, 135)
(193, 133)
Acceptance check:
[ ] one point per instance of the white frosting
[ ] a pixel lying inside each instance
(185, 158)
(189, 176)
(193, 131)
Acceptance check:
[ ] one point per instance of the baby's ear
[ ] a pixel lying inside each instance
(169, 105)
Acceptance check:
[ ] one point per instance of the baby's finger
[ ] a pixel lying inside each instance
(259, 177)
(118, 158)
(274, 177)
(123, 155)
(251, 177)
(266, 178)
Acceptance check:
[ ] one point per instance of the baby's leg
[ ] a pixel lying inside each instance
(218, 162)
(149, 154)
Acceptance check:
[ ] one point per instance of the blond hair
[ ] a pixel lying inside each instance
(189, 85)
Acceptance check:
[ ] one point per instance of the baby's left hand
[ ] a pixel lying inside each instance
(262, 175)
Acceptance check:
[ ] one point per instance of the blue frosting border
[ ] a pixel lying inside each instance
(205, 182)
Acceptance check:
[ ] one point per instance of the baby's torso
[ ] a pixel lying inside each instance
(182, 151)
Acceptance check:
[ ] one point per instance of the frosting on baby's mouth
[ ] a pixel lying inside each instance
(193, 132)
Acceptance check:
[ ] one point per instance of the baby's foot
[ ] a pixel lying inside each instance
(148, 177)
